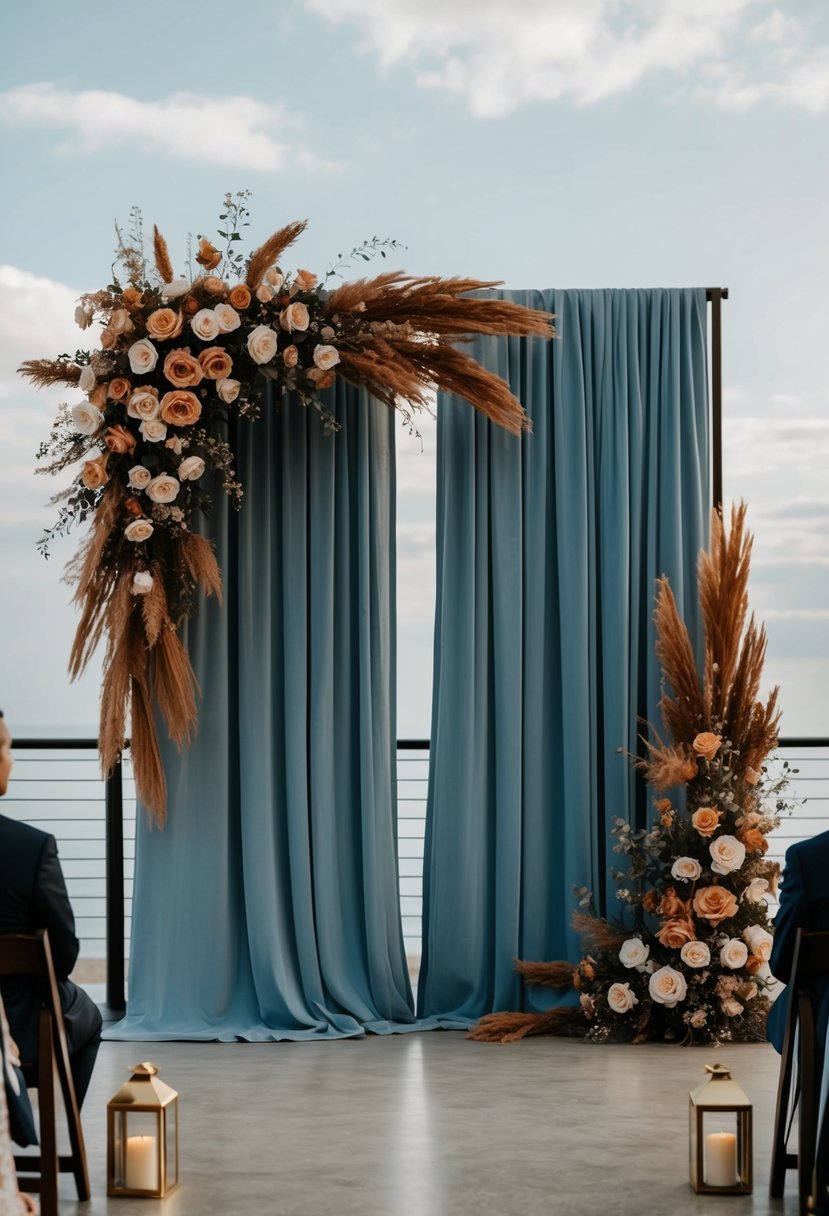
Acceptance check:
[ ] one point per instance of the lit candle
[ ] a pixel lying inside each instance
(142, 1163)
(721, 1159)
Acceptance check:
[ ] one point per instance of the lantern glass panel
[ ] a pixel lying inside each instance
(171, 1132)
(720, 1148)
(142, 1167)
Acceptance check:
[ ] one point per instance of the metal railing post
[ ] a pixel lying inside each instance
(115, 888)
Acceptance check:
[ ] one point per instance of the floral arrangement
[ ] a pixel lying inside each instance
(688, 961)
(177, 353)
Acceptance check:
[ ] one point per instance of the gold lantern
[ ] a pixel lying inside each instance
(721, 1135)
(142, 1136)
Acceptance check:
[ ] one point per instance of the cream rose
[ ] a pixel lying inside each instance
(264, 293)
(191, 468)
(262, 344)
(120, 322)
(175, 288)
(143, 403)
(756, 891)
(153, 430)
(205, 325)
(138, 530)
(142, 582)
(275, 277)
(326, 357)
(228, 390)
(143, 356)
(759, 941)
(163, 488)
(86, 380)
(94, 472)
(295, 316)
(87, 418)
(687, 869)
(695, 954)
(175, 445)
(227, 317)
(727, 854)
(667, 987)
(731, 1007)
(633, 952)
(620, 998)
(304, 280)
(707, 744)
(139, 477)
(83, 315)
(733, 953)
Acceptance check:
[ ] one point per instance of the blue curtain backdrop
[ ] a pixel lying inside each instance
(268, 907)
(548, 548)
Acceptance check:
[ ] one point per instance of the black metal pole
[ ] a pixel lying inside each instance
(115, 888)
(715, 296)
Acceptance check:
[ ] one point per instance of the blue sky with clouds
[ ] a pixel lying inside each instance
(568, 143)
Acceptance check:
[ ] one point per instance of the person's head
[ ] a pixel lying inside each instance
(5, 755)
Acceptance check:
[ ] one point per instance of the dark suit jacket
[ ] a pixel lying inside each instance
(804, 904)
(33, 896)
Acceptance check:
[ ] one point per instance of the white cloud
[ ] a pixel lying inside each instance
(232, 131)
(500, 56)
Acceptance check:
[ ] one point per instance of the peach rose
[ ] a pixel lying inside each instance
(164, 324)
(707, 744)
(163, 488)
(754, 841)
(290, 356)
(731, 1007)
(275, 277)
(214, 286)
(754, 964)
(675, 933)
(295, 316)
(180, 407)
(216, 363)
(120, 322)
(751, 776)
(264, 293)
(132, 297)
(227, 317)
(138, 530)
(98, 396)
(228, 390)
(153, 430)
(183, 369)
(239, 296)
(119, 439)
(670, 905)
(143, 403)
(320, 379)
(118, 388)
(304, 280)
(714, 904)
(94, 473)
(706, 820)
(208, 255)
(108, 339)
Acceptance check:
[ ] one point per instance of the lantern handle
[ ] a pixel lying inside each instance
(145, 1069)
(718, 1072)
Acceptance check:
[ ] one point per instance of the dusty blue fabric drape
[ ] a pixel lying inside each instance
(548, 547)
(268, 907)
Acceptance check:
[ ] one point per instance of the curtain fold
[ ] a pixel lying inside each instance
(548, 548)
(268, 907)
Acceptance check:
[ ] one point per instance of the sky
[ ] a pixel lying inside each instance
(545, 143)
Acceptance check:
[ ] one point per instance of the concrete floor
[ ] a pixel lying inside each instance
(432, 1125)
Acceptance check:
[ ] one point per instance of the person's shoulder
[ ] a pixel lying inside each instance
(813, 846)
(15, 834)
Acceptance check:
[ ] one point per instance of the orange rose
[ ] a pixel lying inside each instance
(133, 506)
(707, 745)
(191, 305)
(208, 255)
(754, 840)
(671, 905)
(663, 805)
(706, 820)
(164, 324)
(94, 473)
(325, 379)
(183, 369)
(98, 396)
(180, 407)
(118, 388)
(714, 904)
(675, 933)
(214, 286)
(239, 296)
(753, 964)
(119, 439)
(650, 900)
(216, 363)
(304, 280)
(132, 297)
(107, 339)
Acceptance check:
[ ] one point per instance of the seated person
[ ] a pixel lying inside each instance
(11, 1201)
(33, 896)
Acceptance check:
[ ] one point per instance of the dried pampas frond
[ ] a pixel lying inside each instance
(162, 257)
(684, 709)
(174, 686)
(510, 1027)
(268, 254)
(150, 783)
(547, 975)
(200, 560)
(43, 372)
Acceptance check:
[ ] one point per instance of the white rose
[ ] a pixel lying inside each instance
(667, 987)
(262, 344)
(163, 488)
(734, 953)
(228, 390)
(633, 952)
(731, 1007)
(142, 356)
(756, 891)
(174, 289)
(87, 381)
(326, 357)
(153, 430)
(205, 325)
(191, 468)
(686, 868)
(138, 530)
(695, 954)
(620, 998)
(759, 941)
(727, 854)
(87, 418)
(227, 317)
(139, 477)
(175, 445)
(143, 404)
(83, 316)
(142, 581)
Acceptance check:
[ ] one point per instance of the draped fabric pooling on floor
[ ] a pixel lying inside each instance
(268, 906)
(548, 548)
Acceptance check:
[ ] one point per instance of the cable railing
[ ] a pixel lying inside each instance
(57, 786)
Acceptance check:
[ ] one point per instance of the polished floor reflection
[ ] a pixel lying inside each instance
(432, 1125)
